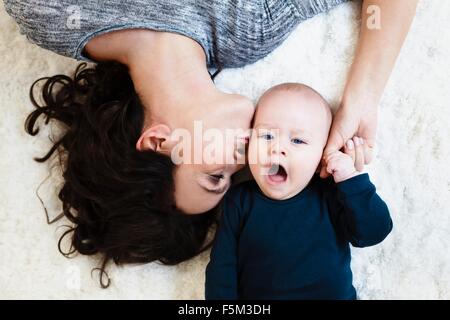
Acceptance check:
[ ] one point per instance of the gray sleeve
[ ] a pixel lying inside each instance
(52, 25)
(232, 33)
(65, 26)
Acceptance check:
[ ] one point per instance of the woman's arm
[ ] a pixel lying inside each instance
(378, 48)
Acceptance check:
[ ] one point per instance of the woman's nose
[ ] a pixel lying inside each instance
(240, 149)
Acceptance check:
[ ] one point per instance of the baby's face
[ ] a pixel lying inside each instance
(290, 132)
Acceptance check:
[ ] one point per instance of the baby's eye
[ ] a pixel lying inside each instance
(266, 136)
(297, 141)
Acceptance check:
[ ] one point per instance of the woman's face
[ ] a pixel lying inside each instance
(217, 151)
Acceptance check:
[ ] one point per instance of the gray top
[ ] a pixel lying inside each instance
(232, 33)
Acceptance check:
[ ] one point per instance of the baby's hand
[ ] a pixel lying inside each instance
(346, 165)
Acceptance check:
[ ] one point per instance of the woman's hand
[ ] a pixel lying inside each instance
(349, 122)
(384, 26)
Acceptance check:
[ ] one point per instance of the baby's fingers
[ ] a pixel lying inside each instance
(359, 153)
(331, 166)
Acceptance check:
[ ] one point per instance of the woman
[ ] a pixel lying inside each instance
(125, 196)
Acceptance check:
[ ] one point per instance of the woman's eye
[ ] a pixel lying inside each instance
(215, 178)
(297, 141)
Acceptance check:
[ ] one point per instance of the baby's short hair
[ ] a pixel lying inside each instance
(302, 89)
(294, 87)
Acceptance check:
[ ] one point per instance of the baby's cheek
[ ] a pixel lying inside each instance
(257, 153)
(252, 157)
(305, 164)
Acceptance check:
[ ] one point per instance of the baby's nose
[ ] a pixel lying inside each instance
(278, 150)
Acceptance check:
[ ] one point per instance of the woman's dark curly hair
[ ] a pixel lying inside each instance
(120, 200)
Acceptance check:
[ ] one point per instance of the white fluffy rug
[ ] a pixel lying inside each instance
(411, 169)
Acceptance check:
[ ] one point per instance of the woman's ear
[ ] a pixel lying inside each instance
(156, 138)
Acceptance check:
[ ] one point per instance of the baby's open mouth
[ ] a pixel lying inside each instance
(277, 173)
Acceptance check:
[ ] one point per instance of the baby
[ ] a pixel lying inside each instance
(286, 234)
